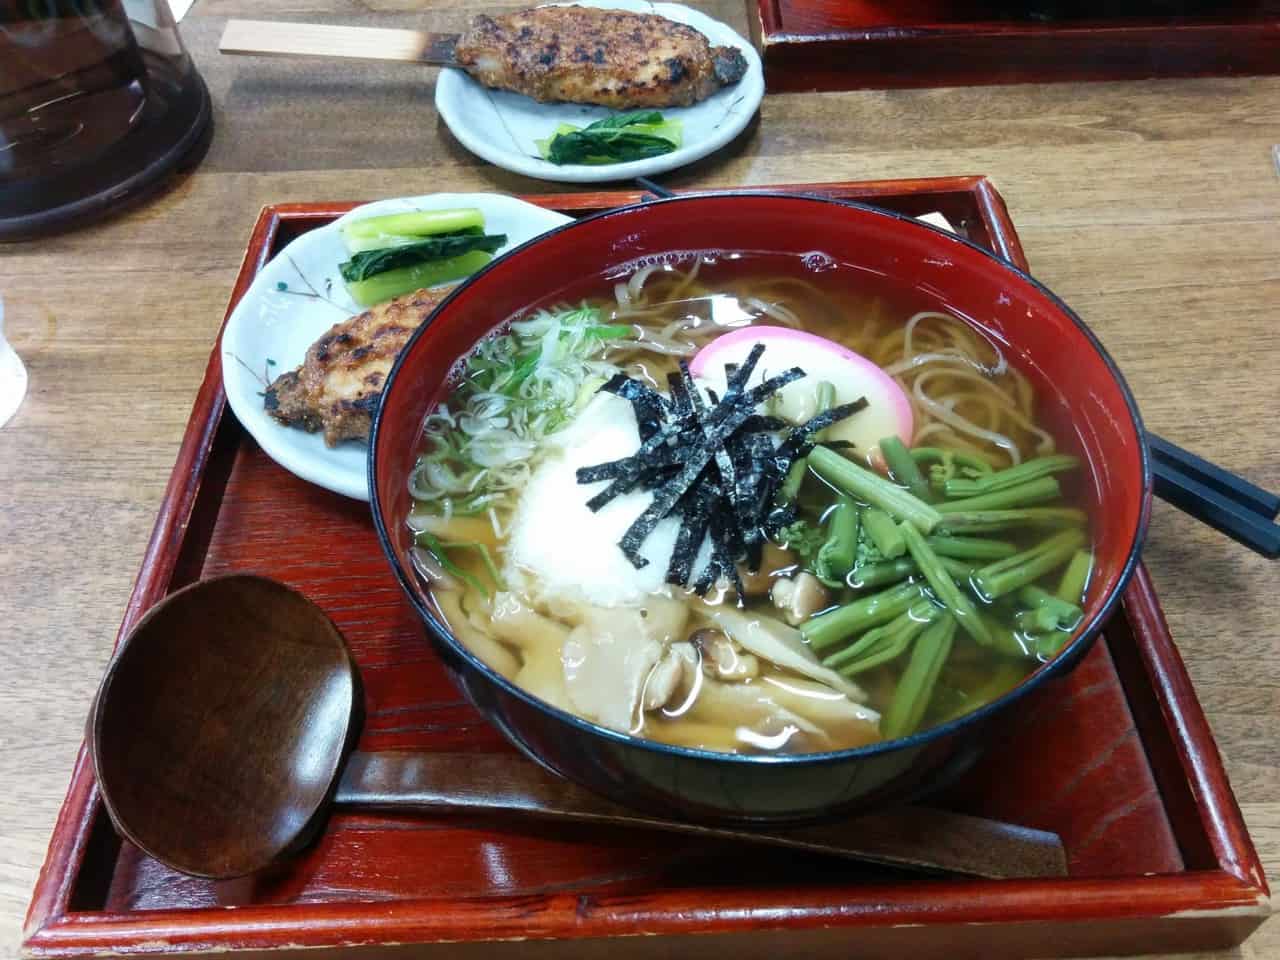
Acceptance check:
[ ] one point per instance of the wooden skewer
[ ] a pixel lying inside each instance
(281, 39)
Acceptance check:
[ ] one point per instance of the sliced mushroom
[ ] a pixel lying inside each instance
(670, 676)
(799, 597)
(773, 561)
(722, 658)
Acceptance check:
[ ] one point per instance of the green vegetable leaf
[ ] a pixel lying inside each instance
(370, 263)
(617, 138)
(620, 120)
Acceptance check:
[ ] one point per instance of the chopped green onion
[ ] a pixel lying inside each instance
(439, 550)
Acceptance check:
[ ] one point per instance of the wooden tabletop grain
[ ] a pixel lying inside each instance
(1152, 207)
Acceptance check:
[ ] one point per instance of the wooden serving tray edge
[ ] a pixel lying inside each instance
(883, 56)
(1213, 907)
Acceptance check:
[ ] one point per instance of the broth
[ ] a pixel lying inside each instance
(857, 626)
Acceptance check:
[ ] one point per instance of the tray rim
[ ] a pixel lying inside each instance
(819, 59)
(1235, 891)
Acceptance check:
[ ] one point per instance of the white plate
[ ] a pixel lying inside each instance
(501, 127)
(297, 297)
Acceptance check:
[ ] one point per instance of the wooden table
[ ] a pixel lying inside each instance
(1152, 207)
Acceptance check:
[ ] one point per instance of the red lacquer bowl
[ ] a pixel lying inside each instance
(1082, 396)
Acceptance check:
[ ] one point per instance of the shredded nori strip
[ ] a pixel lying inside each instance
(646, 402)
(665, 497)
(695, 517)
(713, 462)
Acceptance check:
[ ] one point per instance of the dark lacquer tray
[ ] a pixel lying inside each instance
(850, 44)
(1116, 758)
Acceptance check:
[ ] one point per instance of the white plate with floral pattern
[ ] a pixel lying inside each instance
(297, 297)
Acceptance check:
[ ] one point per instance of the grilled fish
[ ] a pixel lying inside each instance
(613, 58)
(338, 385)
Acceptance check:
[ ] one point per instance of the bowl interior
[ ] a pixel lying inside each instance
(1082, 397)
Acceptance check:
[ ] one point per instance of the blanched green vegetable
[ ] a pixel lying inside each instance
(971, 548)
(836, 555)
(827, 630)
(1075, 579)
(1012, 477)
(904, 468)
(884, 643)
(1035, 491)
(873, 489)
(393, 283)
(883, 533)
(395, 229)
(944, 588)
(616, 139)
(1005, 576)
(988, 521)
(362, 266)
(915, 689)
(1057, 613)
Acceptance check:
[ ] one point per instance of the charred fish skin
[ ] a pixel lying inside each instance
(729, 65)
(610, 58)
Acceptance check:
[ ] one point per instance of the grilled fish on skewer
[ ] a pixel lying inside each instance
(613, 58)
(338, 385)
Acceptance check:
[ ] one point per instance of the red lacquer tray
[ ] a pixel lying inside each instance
(1116, 758)
(849, 44)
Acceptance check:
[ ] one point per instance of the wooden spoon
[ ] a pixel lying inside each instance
(225, 719)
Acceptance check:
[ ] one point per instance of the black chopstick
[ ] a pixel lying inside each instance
(1211, 475)
(1217, 497)
(662, 193)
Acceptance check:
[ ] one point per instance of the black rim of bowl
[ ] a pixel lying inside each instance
(1064, 658)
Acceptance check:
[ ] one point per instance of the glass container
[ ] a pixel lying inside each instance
(99, 102)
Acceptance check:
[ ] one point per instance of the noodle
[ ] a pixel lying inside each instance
(958, 380)
(560, 614)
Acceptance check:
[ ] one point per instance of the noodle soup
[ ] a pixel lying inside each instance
(749, 503)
